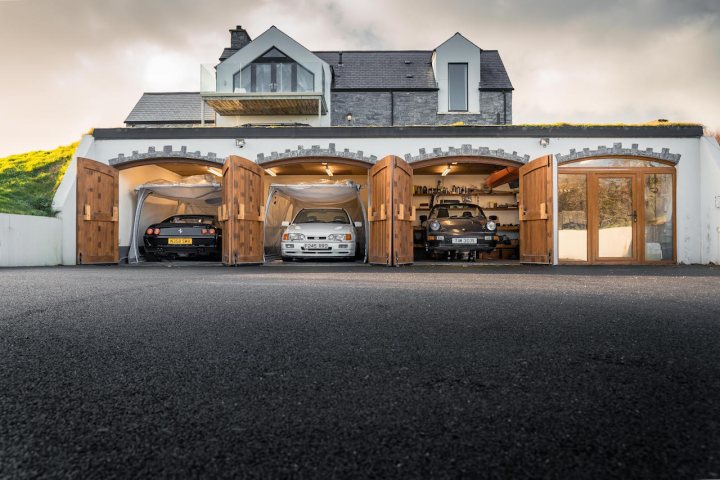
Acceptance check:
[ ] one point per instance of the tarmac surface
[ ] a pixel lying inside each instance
(337, 371)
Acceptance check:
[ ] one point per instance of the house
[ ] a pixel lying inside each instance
(273, 79)
(402, 125)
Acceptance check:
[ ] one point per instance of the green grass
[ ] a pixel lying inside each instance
(28, 181)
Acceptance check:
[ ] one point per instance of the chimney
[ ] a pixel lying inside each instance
(238, 38)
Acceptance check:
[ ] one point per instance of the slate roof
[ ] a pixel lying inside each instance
(174, 107)
(492, 71)
(381, 69)
(403, 70)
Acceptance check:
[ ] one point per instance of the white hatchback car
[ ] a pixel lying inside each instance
(319, 233)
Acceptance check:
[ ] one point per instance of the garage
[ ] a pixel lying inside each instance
(472, 199)
(390, 210)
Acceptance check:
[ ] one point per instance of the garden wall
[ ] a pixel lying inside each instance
(30, 241)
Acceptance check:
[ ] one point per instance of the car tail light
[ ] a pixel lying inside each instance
(149, 231)
(348, 237)
(211, 231)
(204, 231)
(157, 231)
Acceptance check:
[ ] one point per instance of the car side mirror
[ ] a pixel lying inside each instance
(493, 217)
(285, 223)
(358, 224)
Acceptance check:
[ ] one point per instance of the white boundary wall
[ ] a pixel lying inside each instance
(30, 241)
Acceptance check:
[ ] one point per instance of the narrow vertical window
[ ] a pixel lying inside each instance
(457, 87)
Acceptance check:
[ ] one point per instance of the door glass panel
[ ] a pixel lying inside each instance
(572, 217)
(658, 217)
(263, 77)
(615, 222)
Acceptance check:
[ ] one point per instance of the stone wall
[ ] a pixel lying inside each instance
(383, 109)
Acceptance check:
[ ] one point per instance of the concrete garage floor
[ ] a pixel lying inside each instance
(429, 372)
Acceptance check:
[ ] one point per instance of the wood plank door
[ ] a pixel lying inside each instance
(403, 212)
(97, 213)
(242, 213)
(380, 180)
(536, 210)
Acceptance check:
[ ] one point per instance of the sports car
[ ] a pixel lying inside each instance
(319, 233)
(184, 236)
(456, 228)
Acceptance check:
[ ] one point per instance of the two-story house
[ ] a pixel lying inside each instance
(402, 126)
(275, 80)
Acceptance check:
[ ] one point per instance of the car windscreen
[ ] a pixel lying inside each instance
(322, 215)
(461, 210)
(193, 220)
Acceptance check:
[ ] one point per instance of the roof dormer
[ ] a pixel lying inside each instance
(456, 63)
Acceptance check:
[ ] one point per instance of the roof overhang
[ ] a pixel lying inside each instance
(266, 103)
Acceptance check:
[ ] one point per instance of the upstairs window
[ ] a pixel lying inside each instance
(458, 87)
(274, 72)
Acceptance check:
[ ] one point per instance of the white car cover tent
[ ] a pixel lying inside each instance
(284, 201)
(199, 194)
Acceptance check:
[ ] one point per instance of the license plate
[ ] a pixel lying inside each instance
(316, 246)
(179, 241)
(464, 240)
(440, 237)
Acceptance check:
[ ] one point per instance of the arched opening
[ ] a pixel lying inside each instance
(466, 186)
(153, 190)
(319, 189)
(616, 209)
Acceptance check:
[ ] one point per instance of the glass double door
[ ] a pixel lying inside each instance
(615, 217)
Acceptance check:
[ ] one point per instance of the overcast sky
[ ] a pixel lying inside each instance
(70, 65)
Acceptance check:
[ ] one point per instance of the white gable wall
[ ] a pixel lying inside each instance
(457, 49)
(273, 37)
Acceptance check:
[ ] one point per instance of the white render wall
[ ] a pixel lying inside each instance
(30, 241)
(710, 200)
(457, 49)
(695, 217)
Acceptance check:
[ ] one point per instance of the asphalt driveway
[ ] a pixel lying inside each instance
(337, 372)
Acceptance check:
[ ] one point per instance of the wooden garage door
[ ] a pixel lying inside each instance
(404, 212)
(242, 213)
(536, 209)
(390, 212)
(97, 213)
(379, 208)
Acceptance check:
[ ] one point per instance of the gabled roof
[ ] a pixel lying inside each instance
(492, 72)
(383, 70)
(172, 107)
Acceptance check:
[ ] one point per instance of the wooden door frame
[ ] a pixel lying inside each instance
(638, 174)
(547, 213)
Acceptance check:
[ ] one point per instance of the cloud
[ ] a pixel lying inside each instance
(75, 64)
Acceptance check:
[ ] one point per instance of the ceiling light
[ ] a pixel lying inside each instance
(215, 171)
(270, 172)
(328, 171)
(446, 171)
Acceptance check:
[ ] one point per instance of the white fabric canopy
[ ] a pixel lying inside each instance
(196, 194)
(284, 201)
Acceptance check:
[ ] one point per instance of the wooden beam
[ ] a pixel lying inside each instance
(501, 177)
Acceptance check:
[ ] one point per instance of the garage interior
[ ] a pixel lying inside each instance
(442, 182)
(456, 182)
(345, 186)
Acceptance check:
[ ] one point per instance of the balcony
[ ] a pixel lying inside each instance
(266, 103)
(268, 91)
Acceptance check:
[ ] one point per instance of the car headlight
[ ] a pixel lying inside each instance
(434, 225)
(339, 237)
(296, 236)
(491, 225)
